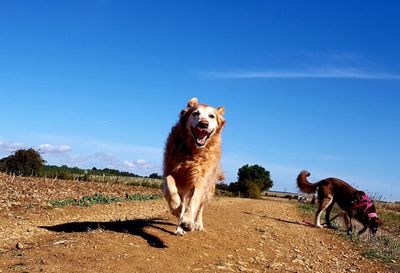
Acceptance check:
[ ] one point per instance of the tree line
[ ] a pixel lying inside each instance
(252, 179)
(28, 162)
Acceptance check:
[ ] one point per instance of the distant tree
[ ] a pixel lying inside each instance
(234, 187)
(222, 186)
(252, 180)
(3, 167)
(255, 174)
(24, 162)
(155, 175)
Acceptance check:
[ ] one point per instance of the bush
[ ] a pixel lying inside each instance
(155, 176)
(24, 162)
(65, 176)
(253, 191)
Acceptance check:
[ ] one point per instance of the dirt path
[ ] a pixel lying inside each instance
(241, 236)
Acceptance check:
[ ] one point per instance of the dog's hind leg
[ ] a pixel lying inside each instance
(170, 192)
(328, 214)
(323, 204)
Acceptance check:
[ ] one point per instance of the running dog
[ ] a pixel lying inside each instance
(191, 163)
(356, 204)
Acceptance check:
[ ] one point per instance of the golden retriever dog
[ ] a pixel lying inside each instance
(191, 163)
(355, 204)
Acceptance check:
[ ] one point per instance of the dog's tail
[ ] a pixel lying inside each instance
(303, 183)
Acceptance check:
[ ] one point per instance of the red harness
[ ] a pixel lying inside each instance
(367, 203)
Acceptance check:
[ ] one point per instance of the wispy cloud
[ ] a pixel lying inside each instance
(10, 146)
(43, 148)
(339, 73)
(139, 166)
(51, 149)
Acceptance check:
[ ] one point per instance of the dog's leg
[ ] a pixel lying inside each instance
(328, 214)
(187, 220)
(347, 221)
(198, 224)
(170, 192)
(208, 194)
(179, 230)
(362, 230)
(323, 204)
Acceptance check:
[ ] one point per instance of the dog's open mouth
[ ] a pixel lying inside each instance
(200, 136)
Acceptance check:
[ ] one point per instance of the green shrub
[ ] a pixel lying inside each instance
(253, 191)
(99, 198)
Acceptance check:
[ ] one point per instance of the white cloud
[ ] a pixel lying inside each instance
(340, 73)
(140, 165)
(129, 164)
(11, 147)
(108, 160)
(141, 162)
(49, 149)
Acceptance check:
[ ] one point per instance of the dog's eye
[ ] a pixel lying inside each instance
(196, 113)
(211, 116)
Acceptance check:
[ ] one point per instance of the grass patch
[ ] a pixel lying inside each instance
(308, 209)
(99, 198)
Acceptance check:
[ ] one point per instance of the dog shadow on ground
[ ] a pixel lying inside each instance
(305, 222)
(136, 227)
(276, 219)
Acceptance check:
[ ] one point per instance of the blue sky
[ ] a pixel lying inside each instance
(306, 85)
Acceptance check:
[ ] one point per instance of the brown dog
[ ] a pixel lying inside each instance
(191, 163)
(356, 204)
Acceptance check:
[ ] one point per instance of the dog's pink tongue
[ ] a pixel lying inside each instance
(201, 135)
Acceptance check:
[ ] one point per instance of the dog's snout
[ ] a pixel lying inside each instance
(203, 124)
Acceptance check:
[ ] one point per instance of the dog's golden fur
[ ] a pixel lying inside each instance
(191, 163)
(335, 190)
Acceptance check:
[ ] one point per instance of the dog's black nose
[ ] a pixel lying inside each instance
(203, 125)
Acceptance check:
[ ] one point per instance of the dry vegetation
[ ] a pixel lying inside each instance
(255, 235)
(30, 191)
(385, 245)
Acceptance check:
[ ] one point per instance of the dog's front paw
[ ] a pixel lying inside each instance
(319, 226)
(198, 226)
(179, 231)
(186, 224)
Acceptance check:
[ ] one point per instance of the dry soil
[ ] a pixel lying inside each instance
(241, 235)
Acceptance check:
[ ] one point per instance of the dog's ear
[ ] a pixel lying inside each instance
(221, 110)
(193, 102)
(221, 119)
